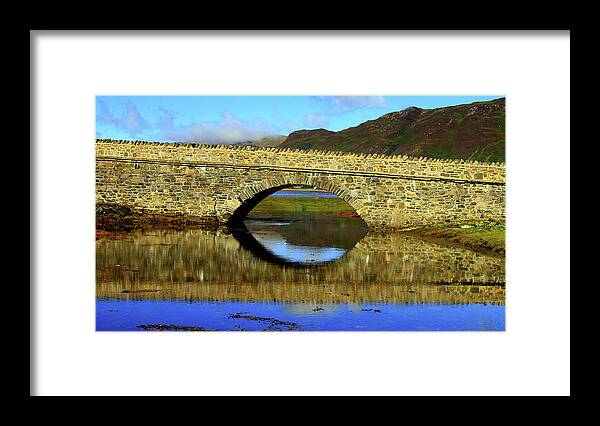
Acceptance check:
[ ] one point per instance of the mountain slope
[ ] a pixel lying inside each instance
(473, 131)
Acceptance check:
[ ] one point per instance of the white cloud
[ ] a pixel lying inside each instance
(228, 130)
(132, 122)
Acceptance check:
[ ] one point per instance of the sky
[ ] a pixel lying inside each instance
(230, 119)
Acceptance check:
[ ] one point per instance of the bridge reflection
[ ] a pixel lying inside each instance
(248, 241)
(203, 265)
(296, 245)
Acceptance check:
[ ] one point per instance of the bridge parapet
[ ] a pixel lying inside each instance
(294, 159)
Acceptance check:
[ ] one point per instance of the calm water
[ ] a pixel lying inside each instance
(295, 275)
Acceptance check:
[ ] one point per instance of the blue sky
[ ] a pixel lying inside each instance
(229, 119)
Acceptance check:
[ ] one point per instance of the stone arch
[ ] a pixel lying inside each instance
(248, 197)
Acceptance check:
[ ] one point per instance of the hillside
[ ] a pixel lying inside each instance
(473, 131)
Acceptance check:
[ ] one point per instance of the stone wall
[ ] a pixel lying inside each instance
(215, 181)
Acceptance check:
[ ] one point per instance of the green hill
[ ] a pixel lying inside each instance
(473, 131)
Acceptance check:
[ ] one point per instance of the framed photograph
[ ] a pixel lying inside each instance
(255, 220)
(391, 219)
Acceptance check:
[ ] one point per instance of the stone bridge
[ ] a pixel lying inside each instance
(225, 182)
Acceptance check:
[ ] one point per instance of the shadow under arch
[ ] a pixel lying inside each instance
(236, 220)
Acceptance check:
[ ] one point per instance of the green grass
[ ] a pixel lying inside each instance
(458, 117)
(283, 207)
(402, 140)
(442, 149)
(489, 236)
(493, 151)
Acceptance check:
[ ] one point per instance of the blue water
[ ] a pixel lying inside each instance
(126, 315)
(297, 253)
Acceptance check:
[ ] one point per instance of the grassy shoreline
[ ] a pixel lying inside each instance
(481, 236)
(277, 207)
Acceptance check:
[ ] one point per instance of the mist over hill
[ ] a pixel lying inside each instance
(268, 141)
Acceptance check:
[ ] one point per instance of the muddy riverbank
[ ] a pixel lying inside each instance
(113, 218)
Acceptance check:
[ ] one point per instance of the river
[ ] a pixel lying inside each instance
(326, 273)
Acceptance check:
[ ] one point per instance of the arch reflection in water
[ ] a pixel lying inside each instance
(285, 233)
(193, 279)
(207, 280)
